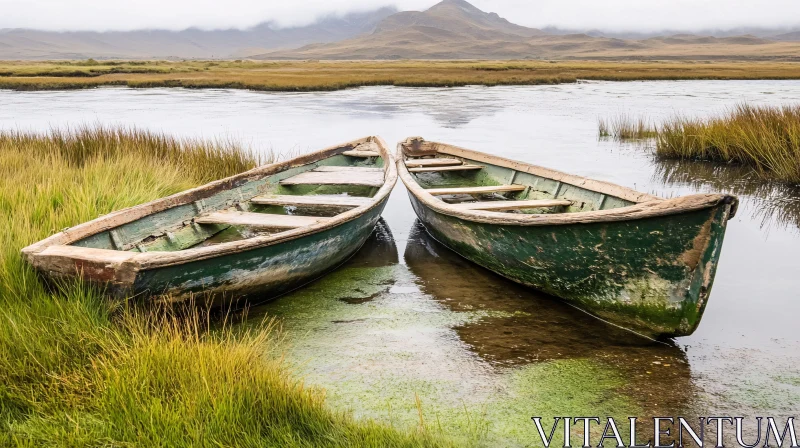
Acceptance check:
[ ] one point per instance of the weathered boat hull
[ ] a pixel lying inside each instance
(650, 275)
(265, 272)
(258, 234)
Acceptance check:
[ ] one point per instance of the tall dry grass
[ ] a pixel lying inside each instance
(79, 370)
(766, 138)
(204, 160)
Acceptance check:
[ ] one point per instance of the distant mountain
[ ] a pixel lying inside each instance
(788, 37)
(459, 17)
(455, 29)
(764, 33)
(450, 29)
(190, 43)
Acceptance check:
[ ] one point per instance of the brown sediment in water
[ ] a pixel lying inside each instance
(361, 300)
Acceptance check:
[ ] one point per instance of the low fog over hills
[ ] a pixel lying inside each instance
(452, 29)
(190, 43)
(455, 29)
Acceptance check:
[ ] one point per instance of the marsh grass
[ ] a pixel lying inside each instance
(765, 138)
(204, 160)
(79, 370)
(626, 127)
(603, 129)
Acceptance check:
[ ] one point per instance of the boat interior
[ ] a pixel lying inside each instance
(472, 181)
(300, 196)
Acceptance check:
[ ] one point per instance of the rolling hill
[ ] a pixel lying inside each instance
(451, 29)
(455, 29)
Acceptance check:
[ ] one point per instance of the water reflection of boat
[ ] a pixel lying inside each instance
(637, 260)
(775, 202)
(522, 326)
(549, 325)
(379, 250)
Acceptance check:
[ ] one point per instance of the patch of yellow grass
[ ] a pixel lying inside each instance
(762, 137)
(334, 75)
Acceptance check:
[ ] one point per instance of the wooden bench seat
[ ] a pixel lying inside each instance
(421, 163)
(369, 177)
(336, 169)
(361, 154)
(312, 200)
(434, 169)
(259, 220)
(476, 190)
(512, 205)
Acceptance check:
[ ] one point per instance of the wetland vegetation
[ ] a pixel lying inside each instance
(333, 75)
(763, 138)
(624, 127)
(78, 370)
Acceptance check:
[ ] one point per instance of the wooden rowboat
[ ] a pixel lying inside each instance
(638, 261)
(261, 233)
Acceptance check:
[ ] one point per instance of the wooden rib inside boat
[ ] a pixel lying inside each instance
(636, 260)
(259, 234)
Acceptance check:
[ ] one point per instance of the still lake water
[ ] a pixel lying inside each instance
(408, 322)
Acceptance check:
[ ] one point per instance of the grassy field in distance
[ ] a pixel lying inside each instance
(336, 75)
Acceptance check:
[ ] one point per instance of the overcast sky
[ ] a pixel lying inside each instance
(616, 15)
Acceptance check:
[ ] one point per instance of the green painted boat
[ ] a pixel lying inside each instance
(641, 262)
(258, 234)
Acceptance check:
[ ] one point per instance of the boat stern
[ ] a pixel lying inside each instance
(108, 268)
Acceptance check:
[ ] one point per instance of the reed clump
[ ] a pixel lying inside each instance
(625, 127)
(765, 138)
(77, 369)
(603, 129)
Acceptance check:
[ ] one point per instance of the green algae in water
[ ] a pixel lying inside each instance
(574, 387)
(397, 355)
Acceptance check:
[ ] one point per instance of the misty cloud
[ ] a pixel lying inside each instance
(616, 15)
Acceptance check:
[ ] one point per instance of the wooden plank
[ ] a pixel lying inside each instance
(476, 190)
(512, 205)
(433, 169)
(420, 163)
(361, 154)
(312, 200)
(365, 178)
(334, 169)
(259, 220)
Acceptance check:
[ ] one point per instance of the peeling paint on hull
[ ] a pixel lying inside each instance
(162, 249)
(652, 275)
(263, 273)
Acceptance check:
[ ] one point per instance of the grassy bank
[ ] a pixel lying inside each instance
(78, 370)
(315, 76)
(764, 138)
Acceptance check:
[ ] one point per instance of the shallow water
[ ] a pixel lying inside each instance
(408, 323)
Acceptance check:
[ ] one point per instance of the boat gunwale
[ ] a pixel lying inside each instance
(59, 245)
(645, 205)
